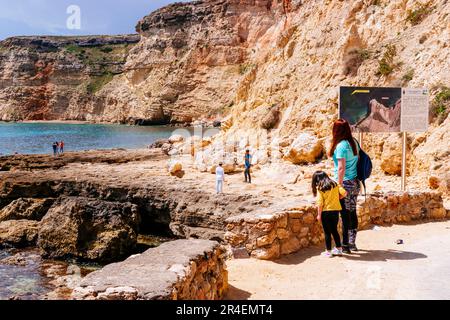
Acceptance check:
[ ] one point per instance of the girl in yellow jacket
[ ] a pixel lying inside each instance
(328, 194)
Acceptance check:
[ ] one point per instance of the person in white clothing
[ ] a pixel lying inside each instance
(220, 178)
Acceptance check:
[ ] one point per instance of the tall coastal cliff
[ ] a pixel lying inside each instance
(186, 65)
(58, 78)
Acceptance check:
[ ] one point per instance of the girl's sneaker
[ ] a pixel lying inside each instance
(327, 254)
(336, 252)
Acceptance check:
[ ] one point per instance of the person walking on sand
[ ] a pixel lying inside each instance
(248, 165)
(220, 178)
(61, 147)
(328, 194)
(345, 153)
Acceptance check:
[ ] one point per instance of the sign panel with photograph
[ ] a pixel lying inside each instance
(378, 109)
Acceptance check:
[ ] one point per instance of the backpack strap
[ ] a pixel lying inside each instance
(362, 182)
(358, 145)
(365, 191)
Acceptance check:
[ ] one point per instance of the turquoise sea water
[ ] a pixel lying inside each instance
(37, 138)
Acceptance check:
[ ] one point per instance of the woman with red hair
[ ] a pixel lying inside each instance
(344, 151)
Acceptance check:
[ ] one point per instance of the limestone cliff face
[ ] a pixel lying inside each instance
(321, 45)
(190, 60)
(57, 78)
(187, 66)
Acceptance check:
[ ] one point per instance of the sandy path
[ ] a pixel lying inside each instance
(418, 269)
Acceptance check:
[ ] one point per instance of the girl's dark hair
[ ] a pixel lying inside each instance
(322, 182)
(342, 131)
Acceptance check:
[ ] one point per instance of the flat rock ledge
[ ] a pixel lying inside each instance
(270, 236)
(178, 270)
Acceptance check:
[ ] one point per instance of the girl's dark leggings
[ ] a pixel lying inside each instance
(330, 221)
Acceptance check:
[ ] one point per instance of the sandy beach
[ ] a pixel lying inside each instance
(417, 269)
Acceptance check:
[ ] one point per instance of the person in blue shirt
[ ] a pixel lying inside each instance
(248, 166)
(345, 153)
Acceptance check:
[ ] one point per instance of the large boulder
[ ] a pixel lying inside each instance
(176, 138)
(175, 168)
(210, 159)
(391, 156)
(26, 209)
(18, 233)
(271, 119)
(306, 148)
(89, 229)
(228, 165)
(282, 173)
(159, 143)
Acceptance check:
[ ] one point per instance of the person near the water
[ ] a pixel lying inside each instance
(61, 147)
(55, 148)
(248, 166)
(345, 153)
(220, 178)
(328, 194)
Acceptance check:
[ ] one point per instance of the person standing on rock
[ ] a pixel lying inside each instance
(220, 178)
(55, 148)
(344, 151)
(61, 147)
(248, 166)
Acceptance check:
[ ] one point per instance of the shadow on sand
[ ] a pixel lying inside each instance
(237, 294)
(384, 255)
(361, 255)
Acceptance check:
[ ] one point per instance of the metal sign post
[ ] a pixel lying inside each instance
(404, 161)
(360, 139)
(390, 110)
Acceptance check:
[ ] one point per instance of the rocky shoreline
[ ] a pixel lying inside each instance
(95, 205)
(107, 196)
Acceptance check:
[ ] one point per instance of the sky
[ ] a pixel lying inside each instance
(73, 17)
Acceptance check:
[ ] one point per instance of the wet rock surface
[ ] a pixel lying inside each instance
(27, 276)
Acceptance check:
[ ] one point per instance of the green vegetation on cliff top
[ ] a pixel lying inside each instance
(102, 61)
(100, 54)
